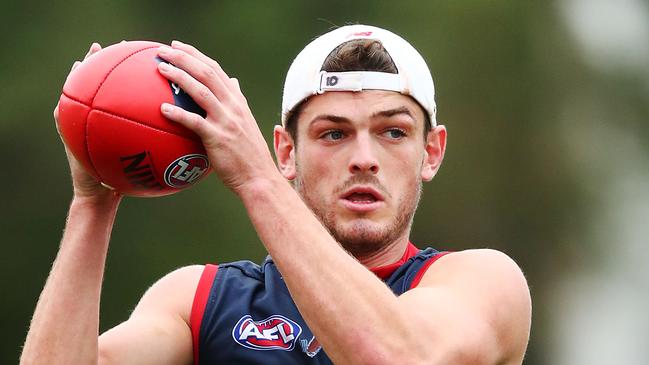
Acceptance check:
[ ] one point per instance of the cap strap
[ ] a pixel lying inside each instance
(358, 80)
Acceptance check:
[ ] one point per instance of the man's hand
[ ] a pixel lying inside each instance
(84, 184)
(235, 145)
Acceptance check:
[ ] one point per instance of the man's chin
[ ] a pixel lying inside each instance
(363, 236)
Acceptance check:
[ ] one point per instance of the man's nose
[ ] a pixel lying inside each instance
(363, 158)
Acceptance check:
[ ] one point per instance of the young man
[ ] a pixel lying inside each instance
(344, 285)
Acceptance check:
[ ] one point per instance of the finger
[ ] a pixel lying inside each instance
(237, 90)
(200, 93)
(235, 82)
(189, 120)
(75, 65)
(94, 48)
(56, 115)
(236, 87)
(199, 71)
(56, 124)
(201, 56)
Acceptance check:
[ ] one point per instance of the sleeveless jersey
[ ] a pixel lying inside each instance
(244, 314)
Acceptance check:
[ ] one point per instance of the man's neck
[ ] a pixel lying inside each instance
(385, 255)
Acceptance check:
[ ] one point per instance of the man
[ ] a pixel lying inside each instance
(344, 285)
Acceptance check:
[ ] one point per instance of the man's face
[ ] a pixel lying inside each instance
(359, 164)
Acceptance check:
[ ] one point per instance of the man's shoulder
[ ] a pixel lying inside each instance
(172, 294)
(482, 254)
(181, 276)
(191, 274)
(485, 274)
(183, 279)
(485, 286)
(188, 270)
(483, 265)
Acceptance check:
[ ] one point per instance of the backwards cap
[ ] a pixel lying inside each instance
(306, 78)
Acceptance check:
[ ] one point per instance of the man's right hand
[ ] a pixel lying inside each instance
(84, 184)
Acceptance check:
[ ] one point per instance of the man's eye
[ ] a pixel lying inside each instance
(333, 135)
(395, 133)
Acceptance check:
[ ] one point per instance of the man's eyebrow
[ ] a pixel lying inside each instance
(331, 118)
(383, 113)
(392, 112)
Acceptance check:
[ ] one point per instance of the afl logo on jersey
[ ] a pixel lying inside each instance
(186, 170)
(273, 333)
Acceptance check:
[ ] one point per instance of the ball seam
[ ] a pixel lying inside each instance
(92, 103)
(85, 136)
(145, 125)
(197, 139)
(113, 69)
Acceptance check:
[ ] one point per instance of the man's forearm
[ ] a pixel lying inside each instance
(345, 305)
(65, 324)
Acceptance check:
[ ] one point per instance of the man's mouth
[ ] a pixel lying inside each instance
(362, 199)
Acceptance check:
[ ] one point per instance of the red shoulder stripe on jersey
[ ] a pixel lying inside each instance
(200, 301)
(424, 268)
(384, 272)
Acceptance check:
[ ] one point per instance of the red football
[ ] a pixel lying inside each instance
(110, 119)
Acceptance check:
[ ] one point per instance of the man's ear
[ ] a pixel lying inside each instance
(434, 152)
(284, 152)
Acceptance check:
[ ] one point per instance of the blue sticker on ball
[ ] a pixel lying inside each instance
(185, 170)
(181, 98)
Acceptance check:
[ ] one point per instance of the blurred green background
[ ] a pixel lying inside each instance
(546, 104)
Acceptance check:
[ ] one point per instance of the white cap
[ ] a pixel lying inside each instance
(305, 78)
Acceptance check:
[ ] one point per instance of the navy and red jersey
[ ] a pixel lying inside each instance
(243, 312)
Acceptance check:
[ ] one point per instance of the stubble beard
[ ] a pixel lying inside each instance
(363, 238)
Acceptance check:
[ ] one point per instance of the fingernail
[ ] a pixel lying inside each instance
(164, 50)
(176, 43)
(164, 66)
(166, 108)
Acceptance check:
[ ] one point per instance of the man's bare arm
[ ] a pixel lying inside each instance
(65, 323)
(158, 331)
(471, 307)
(478, 308)
(67, 313)
(353, 314)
